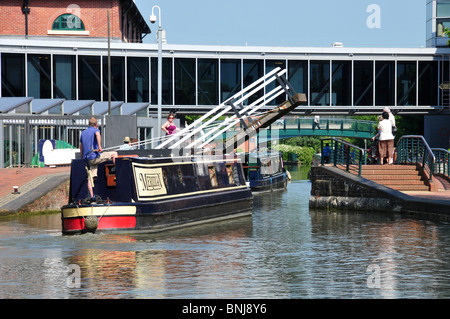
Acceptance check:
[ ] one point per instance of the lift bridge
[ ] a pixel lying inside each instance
(246, 122)
(207, 128)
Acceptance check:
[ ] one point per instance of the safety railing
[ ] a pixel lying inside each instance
(414, 149)
(342, 154)
(442, 161)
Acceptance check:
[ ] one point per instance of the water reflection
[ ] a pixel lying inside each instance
(411, 255)
(283, 251)
(170, 264)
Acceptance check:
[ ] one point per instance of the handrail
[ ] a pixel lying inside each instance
(442, 161)
(342, 152)
(415, 149)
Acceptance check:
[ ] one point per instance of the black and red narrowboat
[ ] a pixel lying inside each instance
(143, 194)
(265, 172)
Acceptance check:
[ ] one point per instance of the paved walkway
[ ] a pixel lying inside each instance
(10, 177)
(33, 183)
(432, 196)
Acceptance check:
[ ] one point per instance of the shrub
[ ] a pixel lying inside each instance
(304, 154)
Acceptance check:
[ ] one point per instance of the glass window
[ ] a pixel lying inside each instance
(443, 9)
(167, 83)
(342, 82)
(13, 75)
(145, 134)
(363, 83)
(428, 83)
(253, 70)
(117, 78)
(138, 79)
(406, 83)
(271, 65)
(230, 78)
(185, 81)
(444, 77)
(68, 22)
(39, 70)
(89, 78)
(64, 81)
(320, 83)
(384, 83)
(298, 75)
(208, 81)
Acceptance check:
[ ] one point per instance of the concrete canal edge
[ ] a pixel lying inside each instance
(333, 189)
(43, 193)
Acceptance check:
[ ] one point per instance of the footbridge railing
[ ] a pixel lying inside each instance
(442, 162)
(304, 126)
(342, 154)
(414, 149)
(411, 149)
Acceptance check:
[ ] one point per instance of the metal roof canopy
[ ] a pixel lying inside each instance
(39, 106)
(102, 108)
(71, 107)
(133, 108)
(15, 104)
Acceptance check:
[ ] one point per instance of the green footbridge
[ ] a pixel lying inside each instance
(336, 127)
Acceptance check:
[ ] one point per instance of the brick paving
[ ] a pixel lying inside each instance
(10, 177)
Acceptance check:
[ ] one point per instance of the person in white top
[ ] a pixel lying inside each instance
(391, 116)
(317, 122)
(126, 144)
(386, 139)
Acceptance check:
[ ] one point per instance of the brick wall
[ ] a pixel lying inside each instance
(334, 190)
(93, 13)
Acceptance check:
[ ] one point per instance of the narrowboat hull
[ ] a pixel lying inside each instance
(266, 172)
(155, 217)
(156, 195)
(270, 184)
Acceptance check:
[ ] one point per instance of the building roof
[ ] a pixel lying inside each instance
(140, 21)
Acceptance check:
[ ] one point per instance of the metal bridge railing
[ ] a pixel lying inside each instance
(442, 161)
(342, 154)
(414, 149)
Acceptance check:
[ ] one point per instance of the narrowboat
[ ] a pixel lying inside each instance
(265, 172)
(143, 194)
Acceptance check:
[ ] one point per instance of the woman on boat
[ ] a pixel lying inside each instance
(169, 127)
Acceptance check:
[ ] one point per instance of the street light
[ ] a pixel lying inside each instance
(159, 36)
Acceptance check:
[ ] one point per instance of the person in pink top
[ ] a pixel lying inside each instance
(169, 127)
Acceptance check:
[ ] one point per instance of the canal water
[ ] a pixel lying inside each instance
(283, 251)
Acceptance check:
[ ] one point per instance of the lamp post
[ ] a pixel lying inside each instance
(159, 36)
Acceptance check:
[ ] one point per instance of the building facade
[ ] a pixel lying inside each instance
(85, 19)
(56, 60)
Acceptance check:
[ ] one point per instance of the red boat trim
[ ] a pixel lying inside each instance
(106, 222)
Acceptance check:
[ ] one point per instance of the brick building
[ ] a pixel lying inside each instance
(69, 18)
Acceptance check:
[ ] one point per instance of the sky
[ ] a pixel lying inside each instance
(290, 23)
